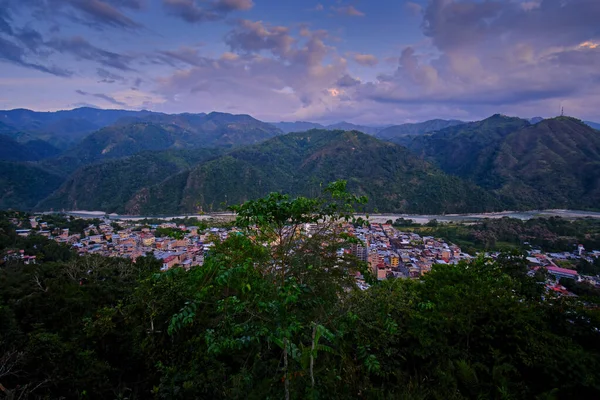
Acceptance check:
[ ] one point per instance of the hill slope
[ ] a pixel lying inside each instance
(299, 163)
(552, 164)
(64, 128)
(109, 185)
(466, 150)
(34, 150)
(397, 131)
(23, 185)
(127, 138)
(298, 126)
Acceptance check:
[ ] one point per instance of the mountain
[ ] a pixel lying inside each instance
(109, 185)
(535, 120)
(64, 128)
(466, 150)
(396, 131)
(347, 126)
(23, 185)
(299, 163)
(126, 138)
(552, 164)
(11, 150)
(298, 126)
(594, 125)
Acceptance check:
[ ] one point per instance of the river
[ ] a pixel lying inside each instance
(377, 218)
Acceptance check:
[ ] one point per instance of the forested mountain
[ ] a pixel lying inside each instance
(302, 126)
(299, 163)
(298, 126)
(109, 185)
(465, 150)
(347, 126)
(23, 185)
(64, 128)
(552, 164)
(182, 131)
(34, 150)
(396, 131)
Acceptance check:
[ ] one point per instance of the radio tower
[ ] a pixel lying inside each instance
(562, 111)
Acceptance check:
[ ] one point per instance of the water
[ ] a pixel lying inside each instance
(377, 218)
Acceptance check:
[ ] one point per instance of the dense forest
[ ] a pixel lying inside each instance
(285, 321)
(552, 234)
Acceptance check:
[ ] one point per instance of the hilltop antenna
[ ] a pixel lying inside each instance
(562, 111)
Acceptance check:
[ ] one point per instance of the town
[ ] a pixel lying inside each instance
(389, 252)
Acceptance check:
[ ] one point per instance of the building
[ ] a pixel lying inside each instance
(562, 272)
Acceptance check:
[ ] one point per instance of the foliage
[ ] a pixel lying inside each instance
(552, 234)
(299, 164)
(274, 313)
(552, 164)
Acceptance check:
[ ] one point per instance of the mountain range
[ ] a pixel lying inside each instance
(142, 162)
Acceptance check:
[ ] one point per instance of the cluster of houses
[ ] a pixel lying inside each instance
(394, 254)
(133, 241)
(390, 253)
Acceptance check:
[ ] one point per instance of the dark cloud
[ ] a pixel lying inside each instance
(227, 6)
(82, 49)
(347, 81)
(96, 13)
(132, 4)
(186, 55)
(191, 10)
(9, 52)
(102, 97)
(109, 77)
(5, 19)
(104, 13)
(254, 36)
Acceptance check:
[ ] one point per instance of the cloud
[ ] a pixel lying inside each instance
(9, 52)
(414, 8)
(82, 49)
(192, 12)
(102, 97)
(109, 77)
(366, 60)
(350, 11)
(255, 36)
(347, 81)
(96, 13)
(267, 62)
(103, 13)
(227, 6)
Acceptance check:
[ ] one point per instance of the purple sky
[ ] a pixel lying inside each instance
(364, 61)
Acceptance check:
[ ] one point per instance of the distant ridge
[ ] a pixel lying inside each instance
(299, 163)
(397, 131)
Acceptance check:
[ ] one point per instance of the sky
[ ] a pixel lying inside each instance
(372, 62)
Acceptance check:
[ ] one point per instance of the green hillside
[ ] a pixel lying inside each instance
(393, 132)
(552, 164)
(298, 163)
(109, 185)
(34, 150)
(23, 185)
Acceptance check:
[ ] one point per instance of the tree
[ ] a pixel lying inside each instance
(276, 283)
